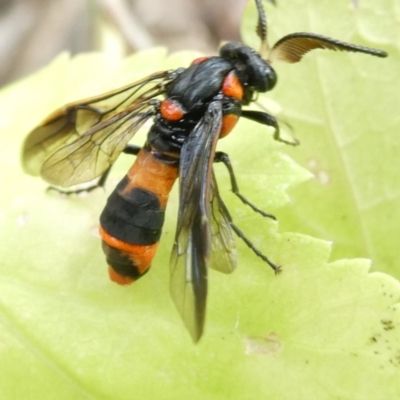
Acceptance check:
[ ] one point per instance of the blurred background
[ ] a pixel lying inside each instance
(33, 32)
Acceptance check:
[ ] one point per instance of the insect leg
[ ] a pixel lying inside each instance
(84, 187)
(129, 149)
(242, 236)
(132, 149)
(224, 158)
(269, 120)
(228, 218)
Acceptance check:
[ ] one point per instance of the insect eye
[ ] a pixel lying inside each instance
(263, 77)
(271, 78)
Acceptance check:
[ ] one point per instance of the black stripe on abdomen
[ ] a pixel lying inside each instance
(133, 216)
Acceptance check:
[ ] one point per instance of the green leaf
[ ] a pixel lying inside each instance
(344, 110)
(318, 330)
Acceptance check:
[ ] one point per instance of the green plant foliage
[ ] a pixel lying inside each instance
(319, 330)
(344, 110)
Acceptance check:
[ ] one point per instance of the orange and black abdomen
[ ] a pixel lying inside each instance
(132, 221)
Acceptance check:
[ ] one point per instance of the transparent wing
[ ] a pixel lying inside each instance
(191, 251)
(291, 48)
(92, 153)
(223, 256)
(78, 142)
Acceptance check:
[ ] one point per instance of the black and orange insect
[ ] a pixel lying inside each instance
(199, 105)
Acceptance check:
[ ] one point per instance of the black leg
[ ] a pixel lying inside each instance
(129, 149)
(227, 216)
(269, 120)
(132, 149)
(224, 158)
(83, 188)
(242, 236)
